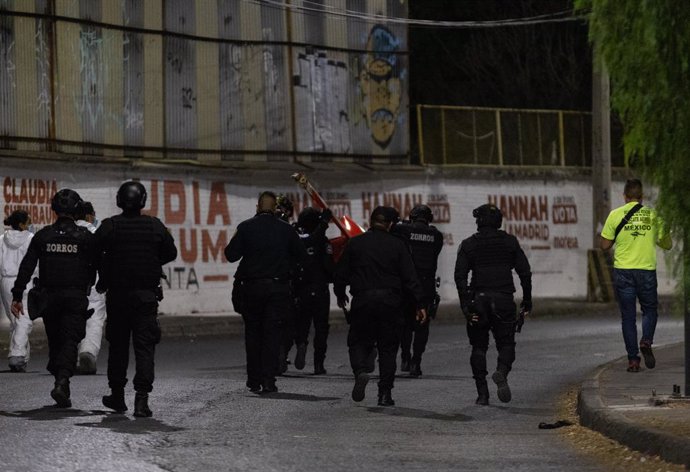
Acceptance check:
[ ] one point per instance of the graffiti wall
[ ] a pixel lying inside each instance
(551, 220)
(206, 80)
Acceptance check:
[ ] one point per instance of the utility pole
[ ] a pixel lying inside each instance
(601, 149)
(686, 310)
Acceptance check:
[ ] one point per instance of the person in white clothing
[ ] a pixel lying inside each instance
(13, 246)
(91, 344)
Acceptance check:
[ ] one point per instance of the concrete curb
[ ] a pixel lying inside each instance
(597, 416)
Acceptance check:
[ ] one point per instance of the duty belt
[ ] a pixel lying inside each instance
(376, 292)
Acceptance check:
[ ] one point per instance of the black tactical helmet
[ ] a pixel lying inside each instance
(66, 201)
(131, 196)
(308, 219)
(421, 212)
(284, 207)
(488, 215)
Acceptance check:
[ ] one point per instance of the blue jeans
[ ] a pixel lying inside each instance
(632, 285)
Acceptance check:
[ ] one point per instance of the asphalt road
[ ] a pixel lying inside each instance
(205, 419)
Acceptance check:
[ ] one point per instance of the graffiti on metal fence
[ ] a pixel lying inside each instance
(380, 85)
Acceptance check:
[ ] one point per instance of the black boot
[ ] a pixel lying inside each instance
(483, 392)
(500, 378)
(319, 369)
(301, 356)
(116, 400)
(360, 387)
(60, 393)
(404, 365)
(385, 398)
(415, 369)
(141, 405)
(282, 361)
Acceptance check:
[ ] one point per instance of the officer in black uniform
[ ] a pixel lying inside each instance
(487, 301)
(285, 210)
(134, 248)
(425, 243)
(313, 295)
(379, 269)
(268, 248)
(67, 261)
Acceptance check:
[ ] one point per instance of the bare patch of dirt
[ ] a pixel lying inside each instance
(612, 455)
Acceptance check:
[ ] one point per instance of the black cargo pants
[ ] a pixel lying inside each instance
(264, 323)
(376, 321)
(132, 314)
(497, 313)
(65, 324)
(314, 306)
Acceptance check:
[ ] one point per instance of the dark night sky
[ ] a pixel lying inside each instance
(540, 66)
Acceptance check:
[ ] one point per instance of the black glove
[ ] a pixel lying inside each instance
(326, 215)
(526, 305)
(100, 286)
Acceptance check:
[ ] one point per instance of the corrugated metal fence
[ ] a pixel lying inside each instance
(214, 80)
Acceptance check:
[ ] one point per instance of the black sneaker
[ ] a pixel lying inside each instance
(501, 382)
(646, 350)
(358, 391)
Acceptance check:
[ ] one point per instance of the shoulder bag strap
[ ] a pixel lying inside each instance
(626, 218)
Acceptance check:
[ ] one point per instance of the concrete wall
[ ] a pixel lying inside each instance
(551, 217)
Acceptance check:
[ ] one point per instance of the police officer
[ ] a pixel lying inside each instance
(425, 243)
(267, 248)
(90, 346)
(66, 260)
(134, 248)
(312, 290)
(487, 302)
(378, 268)
(285, 210)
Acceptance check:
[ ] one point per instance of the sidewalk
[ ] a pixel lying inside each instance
(621, 405)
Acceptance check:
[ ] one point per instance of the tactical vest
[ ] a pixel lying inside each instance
(423, 241)
(493, 256)
(66, 257)
(131, 256)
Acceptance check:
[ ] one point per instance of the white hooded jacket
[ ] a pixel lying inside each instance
(13, 247)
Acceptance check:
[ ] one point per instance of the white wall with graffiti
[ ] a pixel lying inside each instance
(552, 220)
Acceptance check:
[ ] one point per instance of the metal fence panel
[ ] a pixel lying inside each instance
(228, 79)
(451, 135)
(8, 75)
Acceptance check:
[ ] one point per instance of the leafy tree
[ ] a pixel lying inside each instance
(645, 45)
